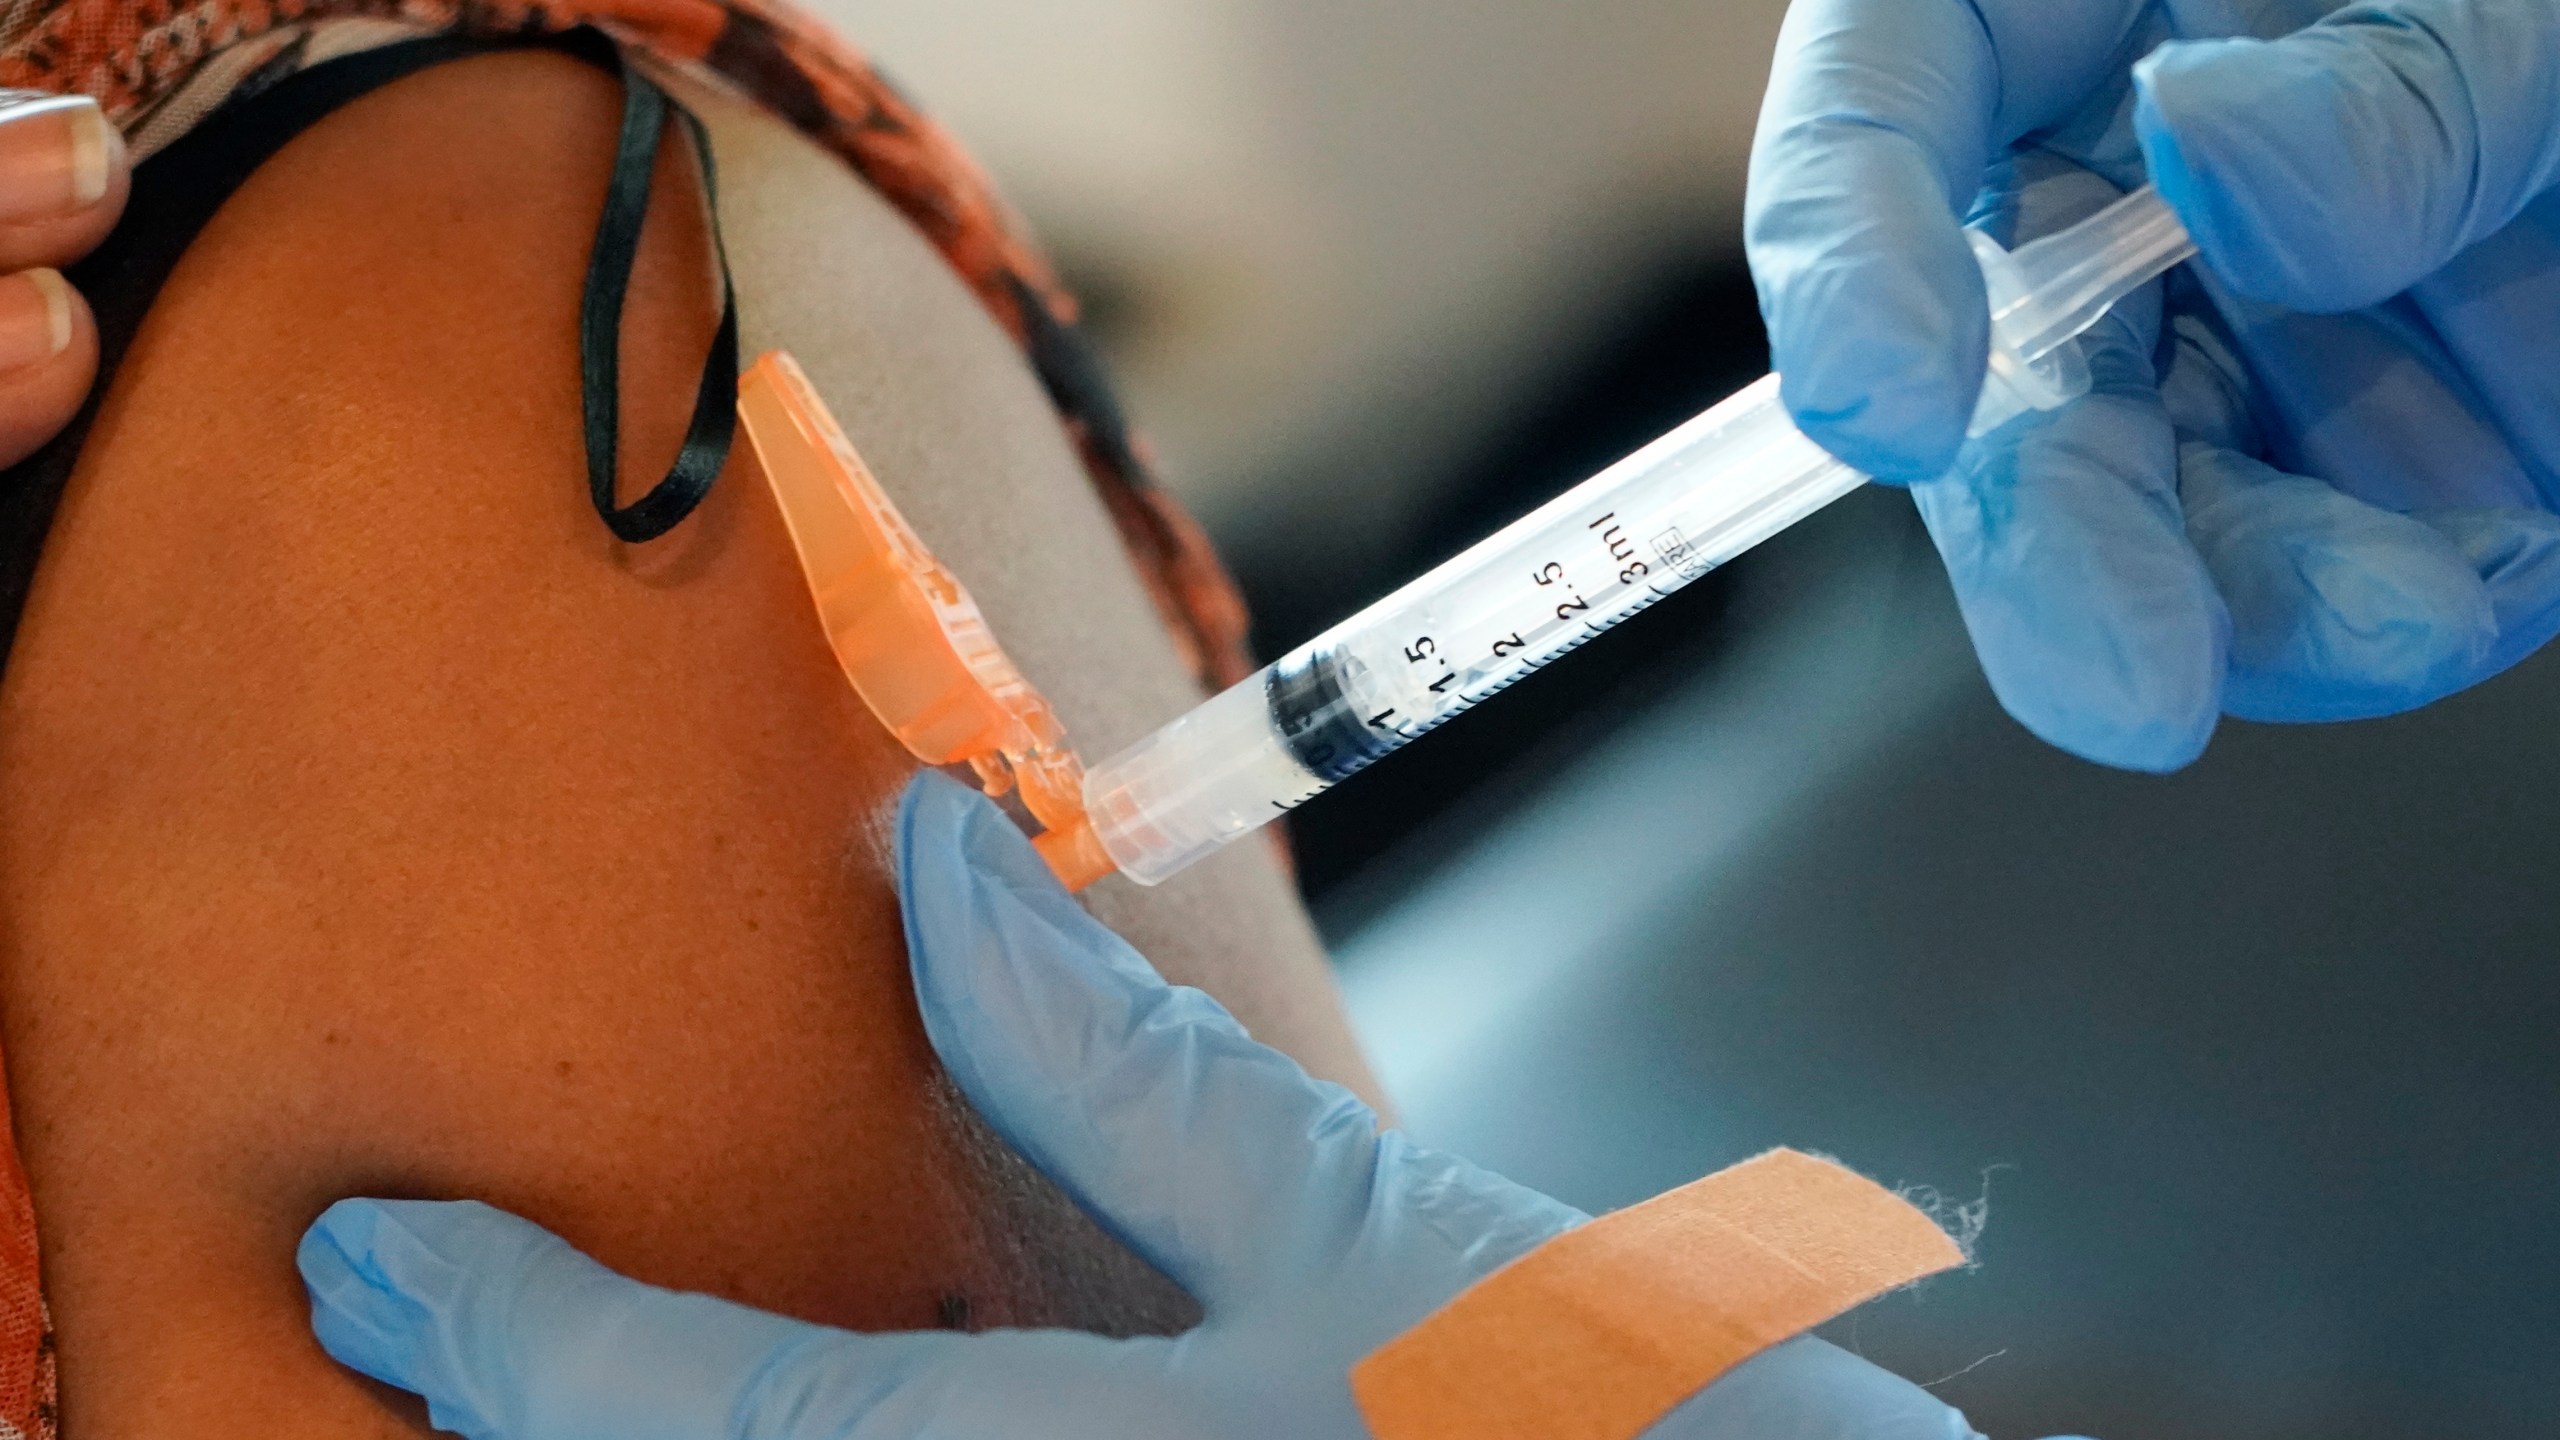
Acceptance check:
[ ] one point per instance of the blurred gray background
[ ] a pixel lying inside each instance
(2255, 1062)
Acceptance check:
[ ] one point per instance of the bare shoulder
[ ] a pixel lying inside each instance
(371, 822)
(954, 423)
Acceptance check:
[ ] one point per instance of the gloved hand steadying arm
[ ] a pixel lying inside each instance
(1307, 1236)
(2317, 476)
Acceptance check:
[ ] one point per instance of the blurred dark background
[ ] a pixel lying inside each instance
(2253, 1062)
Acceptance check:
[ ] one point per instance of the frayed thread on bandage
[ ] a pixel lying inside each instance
(1963, 1220)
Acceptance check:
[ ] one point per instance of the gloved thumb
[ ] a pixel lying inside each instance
(2334, 168)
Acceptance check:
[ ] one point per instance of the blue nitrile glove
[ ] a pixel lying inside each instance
(1307, 1235)
(2323, 486)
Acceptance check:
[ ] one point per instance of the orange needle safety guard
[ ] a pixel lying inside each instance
(905, 630)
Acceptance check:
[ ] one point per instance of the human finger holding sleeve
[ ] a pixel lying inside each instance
(2317, 475)
(62, 187)
(1308, 1236)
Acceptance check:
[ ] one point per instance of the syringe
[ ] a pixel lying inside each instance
(1576, 566)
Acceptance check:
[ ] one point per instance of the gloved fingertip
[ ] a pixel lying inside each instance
(341, 1233)
(951, 837)
(1889, 385)
(2186, 96)
(2269, 152)
(2165, 161)
(2360, 642)
(2143, 693)
(1012, 977)
(2139, 738)
(2516, 554)
(2096, 623)
(1878, 322)
(974, 893)
(2340, 610)
(378, 1245)
(959, 858)
(942, 875)
(361, 1312)
(1891, 438)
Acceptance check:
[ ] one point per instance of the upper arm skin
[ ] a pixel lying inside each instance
(371, 822)
(950, 418)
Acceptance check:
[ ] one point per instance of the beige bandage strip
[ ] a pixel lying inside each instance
(1601, 1331)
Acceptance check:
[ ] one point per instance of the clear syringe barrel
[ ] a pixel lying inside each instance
(1576, 566)
(1549, 581)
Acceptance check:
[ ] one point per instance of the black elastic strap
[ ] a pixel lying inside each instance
(714, 426)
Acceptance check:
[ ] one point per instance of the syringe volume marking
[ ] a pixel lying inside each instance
(1291, 802)
(1615, 538)
(1622, 551)
(1425, 651)
(1311, 709)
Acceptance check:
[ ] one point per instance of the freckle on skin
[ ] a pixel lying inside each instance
(562, 1068)
(333, 1038)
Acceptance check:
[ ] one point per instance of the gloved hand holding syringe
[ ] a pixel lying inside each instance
(1576, 566)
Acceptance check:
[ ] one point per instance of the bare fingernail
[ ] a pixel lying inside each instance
(57, 155)
(35, 317)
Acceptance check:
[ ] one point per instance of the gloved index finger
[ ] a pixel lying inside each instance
(510, 1334)
(1881, 118)
(2339, 165)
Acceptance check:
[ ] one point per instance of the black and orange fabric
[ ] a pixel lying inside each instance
(159, 67)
